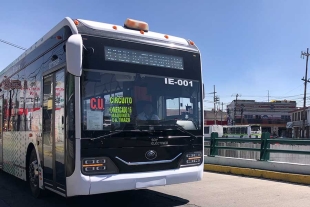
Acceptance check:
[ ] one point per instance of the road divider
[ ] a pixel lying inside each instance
(272, 175)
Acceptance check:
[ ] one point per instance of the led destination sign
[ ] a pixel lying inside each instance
(143, 58)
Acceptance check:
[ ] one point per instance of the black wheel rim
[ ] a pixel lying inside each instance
(33, 174)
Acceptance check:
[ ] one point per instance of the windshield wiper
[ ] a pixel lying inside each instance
(114, 133)
(193, 137)
(129, 127)
(171, 125)
(107, 135)
(184, 131)
(148, 128)
(120, 131)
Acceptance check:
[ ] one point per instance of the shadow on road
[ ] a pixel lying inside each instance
(15, 193)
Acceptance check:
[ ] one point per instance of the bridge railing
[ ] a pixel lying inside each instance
(264, 142)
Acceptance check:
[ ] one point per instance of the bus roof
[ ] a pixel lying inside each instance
(65, 22)
(99, 26)
(246, 125)
(121, 29)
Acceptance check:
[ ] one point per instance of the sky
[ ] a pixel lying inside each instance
(247, 47)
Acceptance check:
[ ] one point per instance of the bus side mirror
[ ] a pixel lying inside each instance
(74, 50)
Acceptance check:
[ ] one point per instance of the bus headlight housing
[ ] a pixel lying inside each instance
(192, 159)
(98, 166)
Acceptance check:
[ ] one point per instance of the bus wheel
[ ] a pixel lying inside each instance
(33, 174)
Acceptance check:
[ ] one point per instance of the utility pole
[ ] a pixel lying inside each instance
(214, 104)
(268, 95)
(215, 100)
(222, 114)
(303, 54)
(235, 109)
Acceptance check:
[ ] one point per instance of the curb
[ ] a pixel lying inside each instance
(272, 175)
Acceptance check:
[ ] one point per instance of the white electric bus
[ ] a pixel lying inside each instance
(93, 107)
(243, 131)
(208, 129)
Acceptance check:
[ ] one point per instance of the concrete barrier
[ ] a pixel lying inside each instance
(280, 176)
(289, 172)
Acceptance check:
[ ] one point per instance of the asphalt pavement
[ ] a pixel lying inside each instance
(215, 190)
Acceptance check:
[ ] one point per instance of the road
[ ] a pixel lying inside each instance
(215, 190)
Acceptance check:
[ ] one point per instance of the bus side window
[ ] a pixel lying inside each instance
(237, 130)
(207, 130)
(225, 130)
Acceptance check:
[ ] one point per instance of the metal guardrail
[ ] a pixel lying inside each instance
(264, 141)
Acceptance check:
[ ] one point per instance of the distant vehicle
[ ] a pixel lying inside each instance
(243, 131)
(208, 129)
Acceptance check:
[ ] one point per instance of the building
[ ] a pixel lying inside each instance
(273, 116)
(220, 117)
(295, 126)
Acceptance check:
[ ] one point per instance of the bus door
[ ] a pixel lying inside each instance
(1, 132)
(53, 132)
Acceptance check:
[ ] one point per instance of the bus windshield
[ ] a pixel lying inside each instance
(255, 128)
(113, 100)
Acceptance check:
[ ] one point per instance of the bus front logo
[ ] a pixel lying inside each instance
(151, 155)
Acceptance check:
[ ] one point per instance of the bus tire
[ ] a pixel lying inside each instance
(33, 174)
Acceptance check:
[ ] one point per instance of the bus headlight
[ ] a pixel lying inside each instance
(98, 166)
(191, 159)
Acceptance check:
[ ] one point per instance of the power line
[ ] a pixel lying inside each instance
(275, 97)
(257, 96)
(6, 42)
(293, 89)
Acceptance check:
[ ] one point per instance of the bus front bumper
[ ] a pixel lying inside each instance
(88, 185)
